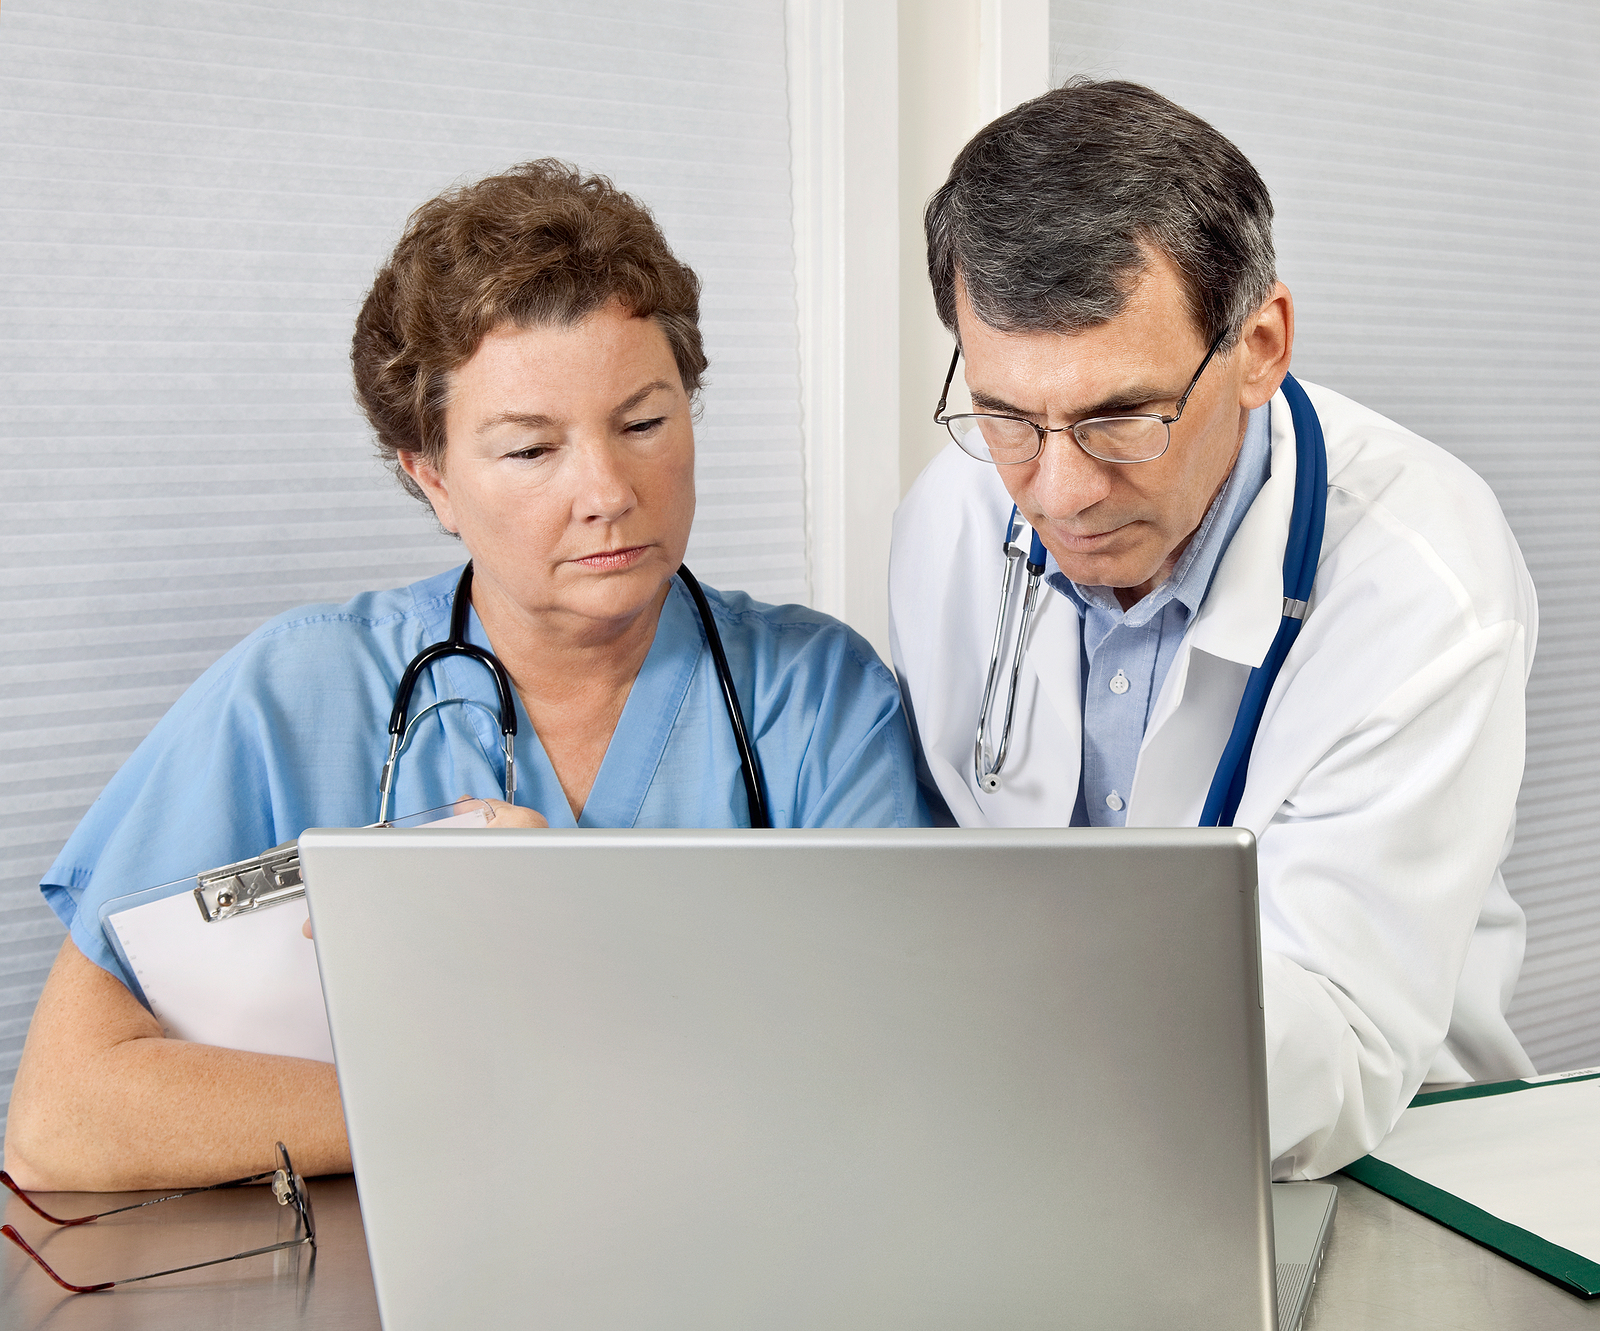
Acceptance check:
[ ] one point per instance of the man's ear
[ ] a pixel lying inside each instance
(1267, 344)
(431, 481)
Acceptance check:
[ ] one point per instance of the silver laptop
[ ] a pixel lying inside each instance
(806, 1079)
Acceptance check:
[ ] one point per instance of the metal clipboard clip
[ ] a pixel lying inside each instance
(273, 877)
(268, 879)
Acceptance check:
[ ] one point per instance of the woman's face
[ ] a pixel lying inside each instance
(568, 469)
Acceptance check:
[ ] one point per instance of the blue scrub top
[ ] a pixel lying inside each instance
(288, 731)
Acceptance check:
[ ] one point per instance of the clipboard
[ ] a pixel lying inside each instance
(220, 958)
(1512, 1165)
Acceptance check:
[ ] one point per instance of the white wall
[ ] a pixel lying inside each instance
(843, 106)
(195, 195)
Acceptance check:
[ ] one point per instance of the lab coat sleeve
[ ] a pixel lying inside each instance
(1374, 874)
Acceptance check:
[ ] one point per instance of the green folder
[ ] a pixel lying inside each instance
(1570, 1270)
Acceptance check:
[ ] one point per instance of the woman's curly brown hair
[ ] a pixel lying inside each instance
(539, 244)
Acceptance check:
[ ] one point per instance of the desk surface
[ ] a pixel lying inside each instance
(1386, 1267)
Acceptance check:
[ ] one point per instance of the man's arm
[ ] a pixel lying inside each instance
(103, 1102)
(1375, 876)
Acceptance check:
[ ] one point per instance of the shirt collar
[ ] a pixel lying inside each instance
(1190, 580)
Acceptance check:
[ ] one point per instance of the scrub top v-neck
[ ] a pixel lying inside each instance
(646, 726)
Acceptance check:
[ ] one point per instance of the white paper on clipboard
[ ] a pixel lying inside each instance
(247, 982)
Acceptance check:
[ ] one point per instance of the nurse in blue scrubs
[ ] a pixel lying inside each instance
(530, 360)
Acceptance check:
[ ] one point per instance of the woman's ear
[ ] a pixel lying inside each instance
(1268, 346)
(430, 479)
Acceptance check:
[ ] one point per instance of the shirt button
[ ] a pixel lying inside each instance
(1114, 800)
(1119, 685)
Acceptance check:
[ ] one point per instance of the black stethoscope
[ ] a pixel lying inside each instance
(457, 645)
(1300, 557)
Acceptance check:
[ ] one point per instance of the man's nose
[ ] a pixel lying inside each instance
(1066, 480)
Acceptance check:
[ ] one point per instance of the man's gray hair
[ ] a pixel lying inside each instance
(1047, 211)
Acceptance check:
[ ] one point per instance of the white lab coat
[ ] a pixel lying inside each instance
(1383, 782)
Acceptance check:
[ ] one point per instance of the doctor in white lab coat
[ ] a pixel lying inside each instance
(1383, 780)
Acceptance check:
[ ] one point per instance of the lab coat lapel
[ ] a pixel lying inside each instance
(1047, 745)
(1053, 642)
(1238, 620)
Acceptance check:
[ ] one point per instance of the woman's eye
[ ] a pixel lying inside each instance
(532, 453)
(645, 427)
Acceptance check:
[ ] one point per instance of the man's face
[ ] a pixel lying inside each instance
(1120, 525)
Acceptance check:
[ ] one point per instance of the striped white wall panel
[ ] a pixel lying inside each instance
(195, 194)
(1436, 169)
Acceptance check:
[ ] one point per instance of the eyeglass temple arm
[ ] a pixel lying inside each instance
(1189, 391)
(944, 394)
(67, 1285)
(39, 1211)
(45, 1266)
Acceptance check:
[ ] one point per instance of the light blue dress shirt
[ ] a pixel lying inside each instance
(1126, 653)
(288, 731)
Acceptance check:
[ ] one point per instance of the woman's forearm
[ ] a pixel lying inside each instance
(102, 1102)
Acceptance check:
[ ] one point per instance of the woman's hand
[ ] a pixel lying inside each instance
(497, 813)
(502, 814)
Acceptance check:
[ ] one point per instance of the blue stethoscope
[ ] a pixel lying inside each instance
(457, 645)
(1300, 557)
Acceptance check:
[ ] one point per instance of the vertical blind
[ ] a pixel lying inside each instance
(195, 195)
(1436, 171)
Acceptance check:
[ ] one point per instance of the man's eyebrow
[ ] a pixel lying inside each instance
(1136, 395)
(533, 420)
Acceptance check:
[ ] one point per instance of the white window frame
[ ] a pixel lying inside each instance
(848, 143)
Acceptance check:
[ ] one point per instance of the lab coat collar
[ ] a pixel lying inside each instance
(1053, 644)
(1240, 615)
(1237, 623)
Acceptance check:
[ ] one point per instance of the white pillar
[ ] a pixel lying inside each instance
(962, 62)
(844, 136)
(1013, 54)
(882, 93)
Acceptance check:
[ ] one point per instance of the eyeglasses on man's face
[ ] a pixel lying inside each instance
(1005, 440)
(287, 1187)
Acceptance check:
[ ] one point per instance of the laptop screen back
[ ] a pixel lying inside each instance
(879, 1079)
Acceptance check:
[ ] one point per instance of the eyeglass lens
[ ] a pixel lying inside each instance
(1003, 439)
